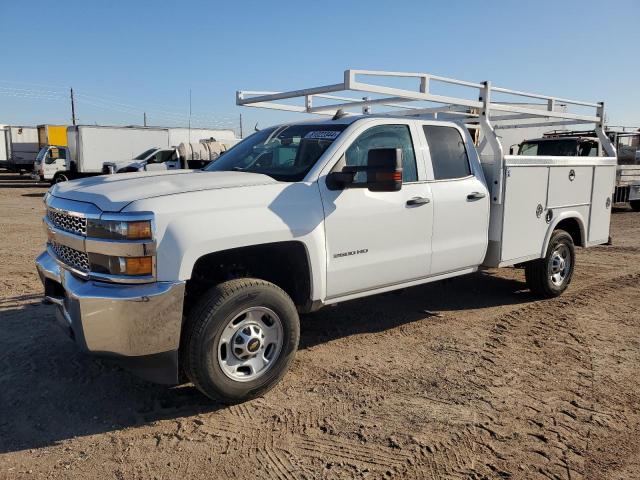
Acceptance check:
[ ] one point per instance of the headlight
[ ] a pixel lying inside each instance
(119, 229)
(133, 266)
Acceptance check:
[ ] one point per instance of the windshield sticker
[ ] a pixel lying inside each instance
(322, 134)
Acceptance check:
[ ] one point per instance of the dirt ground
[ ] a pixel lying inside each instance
(496, 385)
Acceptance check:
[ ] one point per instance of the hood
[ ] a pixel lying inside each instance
(111, 193)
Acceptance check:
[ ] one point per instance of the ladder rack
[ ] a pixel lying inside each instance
(478, 108)
(397, 101)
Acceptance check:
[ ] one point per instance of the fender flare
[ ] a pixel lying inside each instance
(554, 223)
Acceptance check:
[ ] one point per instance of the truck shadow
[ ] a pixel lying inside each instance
(51, 392)
(13, 180)
(382, 312)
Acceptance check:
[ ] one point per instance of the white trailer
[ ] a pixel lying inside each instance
(194, 135)
(4, 146)
(21, 145)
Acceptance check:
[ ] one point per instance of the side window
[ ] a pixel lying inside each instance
(588, 149)
(164, 156)
(52, 155)
(384, 136)
(448, 153)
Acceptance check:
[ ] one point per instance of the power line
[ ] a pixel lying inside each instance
(105, 102)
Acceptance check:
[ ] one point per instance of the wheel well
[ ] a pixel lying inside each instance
(285, 264)
(572, 227)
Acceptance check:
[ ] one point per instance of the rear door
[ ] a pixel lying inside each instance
(460, 199)
(378, 239)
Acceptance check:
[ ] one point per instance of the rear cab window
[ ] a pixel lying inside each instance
(448, 152)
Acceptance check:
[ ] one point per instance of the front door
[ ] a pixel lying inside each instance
(461, 219)
(377, 239)
(163, 160)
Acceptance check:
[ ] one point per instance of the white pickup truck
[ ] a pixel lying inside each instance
(201, 275)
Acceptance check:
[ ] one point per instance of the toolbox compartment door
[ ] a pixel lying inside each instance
(569, 186)
(600, 215)
(524, 225)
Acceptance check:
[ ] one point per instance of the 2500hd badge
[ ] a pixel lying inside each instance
(353, 252)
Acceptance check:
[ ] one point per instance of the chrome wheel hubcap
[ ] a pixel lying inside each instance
(560, 265)
(250, 344)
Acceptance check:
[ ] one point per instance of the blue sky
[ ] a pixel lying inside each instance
(126, 57)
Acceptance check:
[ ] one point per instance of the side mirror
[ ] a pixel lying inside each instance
(383, 169)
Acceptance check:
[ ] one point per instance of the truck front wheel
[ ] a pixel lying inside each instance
(59, 177)
(551, 275)
(635, 205)
(240, 339)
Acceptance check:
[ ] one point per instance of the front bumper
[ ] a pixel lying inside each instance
(137, 324)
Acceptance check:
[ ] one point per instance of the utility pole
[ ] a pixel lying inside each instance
(240, 125)
(145, 119)
(73, 109)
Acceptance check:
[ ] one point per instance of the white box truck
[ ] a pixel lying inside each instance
(201, 275)
(89, 146)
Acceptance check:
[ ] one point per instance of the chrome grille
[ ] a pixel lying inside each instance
(74, 258)
(68, 223)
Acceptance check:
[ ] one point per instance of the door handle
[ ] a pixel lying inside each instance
(475, 196)
(418, 201)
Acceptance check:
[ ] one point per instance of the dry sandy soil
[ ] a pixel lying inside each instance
(496, 385)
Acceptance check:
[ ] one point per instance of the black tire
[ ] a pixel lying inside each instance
(59, 178)
(538, 272)
(635, 205)
(205, 326)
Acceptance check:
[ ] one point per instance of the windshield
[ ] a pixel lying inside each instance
(560, 148)
(146, 153)
(285, 153)
(41, 154)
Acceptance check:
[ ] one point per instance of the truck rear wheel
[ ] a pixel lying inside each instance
(551, 275)
(240, 339)
(635, 205)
